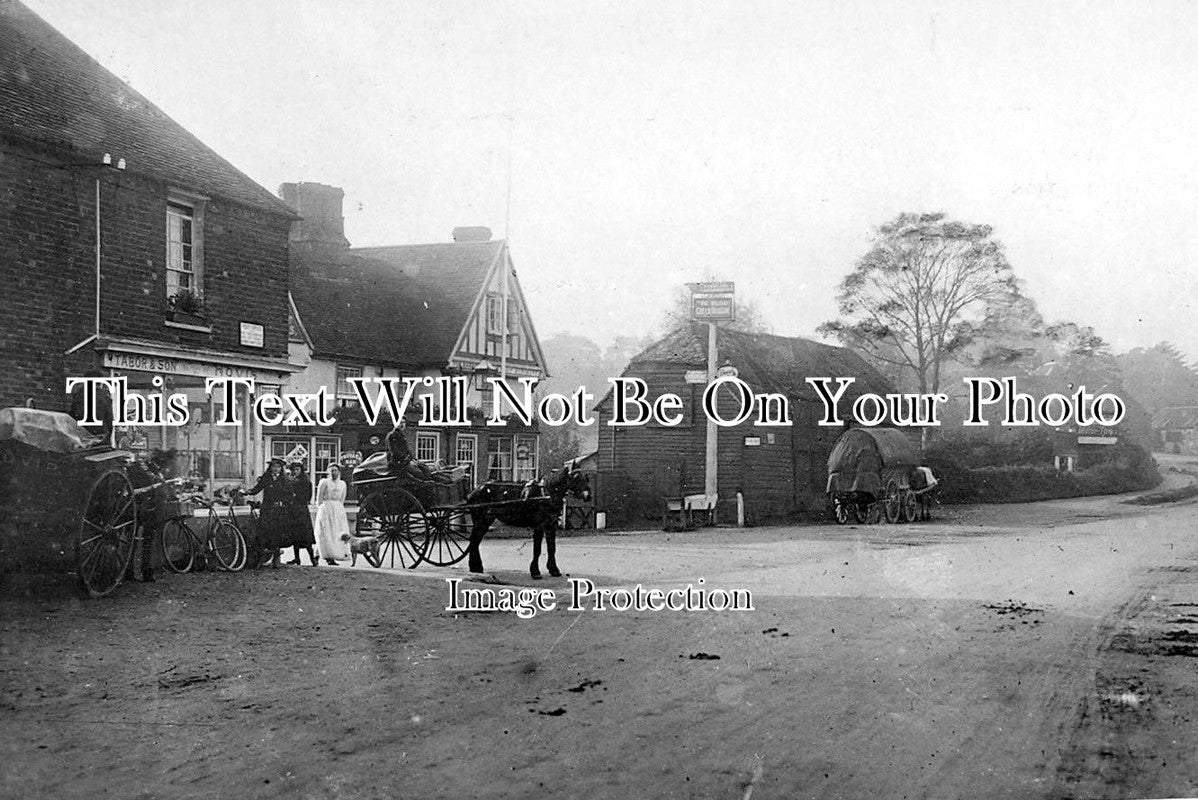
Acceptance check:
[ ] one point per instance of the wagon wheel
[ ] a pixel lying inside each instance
(106, 530)
(396, 520)
(842, 513)
(448, 536)
(910, 506)
(892, 503)
(861, 513)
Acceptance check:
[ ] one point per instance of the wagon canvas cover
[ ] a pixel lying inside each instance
(860, 455)
(49, 431)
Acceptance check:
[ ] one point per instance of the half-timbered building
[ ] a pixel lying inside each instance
(449, 309)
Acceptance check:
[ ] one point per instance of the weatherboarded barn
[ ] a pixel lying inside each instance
(780, 471)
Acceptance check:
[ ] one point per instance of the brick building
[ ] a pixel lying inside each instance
(130, 248)
(779, 471)
(442, 309)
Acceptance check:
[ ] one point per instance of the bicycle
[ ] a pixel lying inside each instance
(221, 540)
(256, 555)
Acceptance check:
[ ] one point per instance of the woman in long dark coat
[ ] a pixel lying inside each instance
(299, 521)
(276, 500)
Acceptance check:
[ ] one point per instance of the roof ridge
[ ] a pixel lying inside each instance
(30, 29)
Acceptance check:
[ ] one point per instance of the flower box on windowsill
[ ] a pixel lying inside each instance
(191, 322)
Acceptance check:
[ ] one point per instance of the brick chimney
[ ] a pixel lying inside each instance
(320, 207)
(475, 233)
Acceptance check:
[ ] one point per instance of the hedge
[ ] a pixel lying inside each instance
(1020, 470)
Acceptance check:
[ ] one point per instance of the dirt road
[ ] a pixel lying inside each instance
(947, 659)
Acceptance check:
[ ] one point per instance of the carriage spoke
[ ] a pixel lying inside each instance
(91, 553)
(121, 511)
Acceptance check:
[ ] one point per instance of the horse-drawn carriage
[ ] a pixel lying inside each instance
(404, 520)
(875, 474)
(67, 496)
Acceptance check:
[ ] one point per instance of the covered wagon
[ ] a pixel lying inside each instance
(875, 473)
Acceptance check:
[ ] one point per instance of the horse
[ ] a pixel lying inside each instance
(536, 505)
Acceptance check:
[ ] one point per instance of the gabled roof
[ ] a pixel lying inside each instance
(768, 363)
(53, 93)
(400, 306)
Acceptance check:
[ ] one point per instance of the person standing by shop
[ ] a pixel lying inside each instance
(299, 522)
(149, 476)
(332, 524)
(273, 518)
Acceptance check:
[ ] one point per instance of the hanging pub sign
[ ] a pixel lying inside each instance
(713, 301)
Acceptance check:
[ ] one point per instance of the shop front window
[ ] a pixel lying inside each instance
(314, 453)
(214, 454)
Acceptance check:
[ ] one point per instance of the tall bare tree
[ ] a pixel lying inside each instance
(923, 293)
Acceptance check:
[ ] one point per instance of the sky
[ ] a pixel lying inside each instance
(627, 148)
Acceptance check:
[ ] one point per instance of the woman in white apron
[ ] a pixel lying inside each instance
(332, 526)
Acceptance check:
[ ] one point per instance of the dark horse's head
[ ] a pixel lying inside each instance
(569, 481)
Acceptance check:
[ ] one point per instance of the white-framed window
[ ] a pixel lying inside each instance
(499, 458)
(526, 457)
(428, 447)
(494, 314)
(344, 389)
(184, 247)
(467, 453)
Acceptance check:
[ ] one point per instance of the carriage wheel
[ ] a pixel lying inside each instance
(842, 513)
(910, 506)
(227, 546)
(861, 513)
(178, 547)
(448, 536)
(396, 520)
(892, 504)
(106, 532)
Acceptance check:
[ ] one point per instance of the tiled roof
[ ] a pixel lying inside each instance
(402, 306)
(767, 362)
(53, 93)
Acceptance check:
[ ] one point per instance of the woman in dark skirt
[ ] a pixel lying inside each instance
(273, 517)
(299, 521)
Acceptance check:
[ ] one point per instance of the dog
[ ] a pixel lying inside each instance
(367, 546)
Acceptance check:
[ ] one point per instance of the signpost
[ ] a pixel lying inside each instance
(712, 302)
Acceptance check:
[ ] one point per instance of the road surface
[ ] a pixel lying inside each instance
(1037, 651)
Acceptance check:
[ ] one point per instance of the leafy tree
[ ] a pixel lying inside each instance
(1159, 377)
(926, 290)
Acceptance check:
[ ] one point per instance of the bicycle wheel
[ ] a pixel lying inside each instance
(178, 546)
(224, 540)
(243, 555)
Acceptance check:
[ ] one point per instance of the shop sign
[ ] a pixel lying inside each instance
(168, 365)
(253, 335)
(297, 453)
